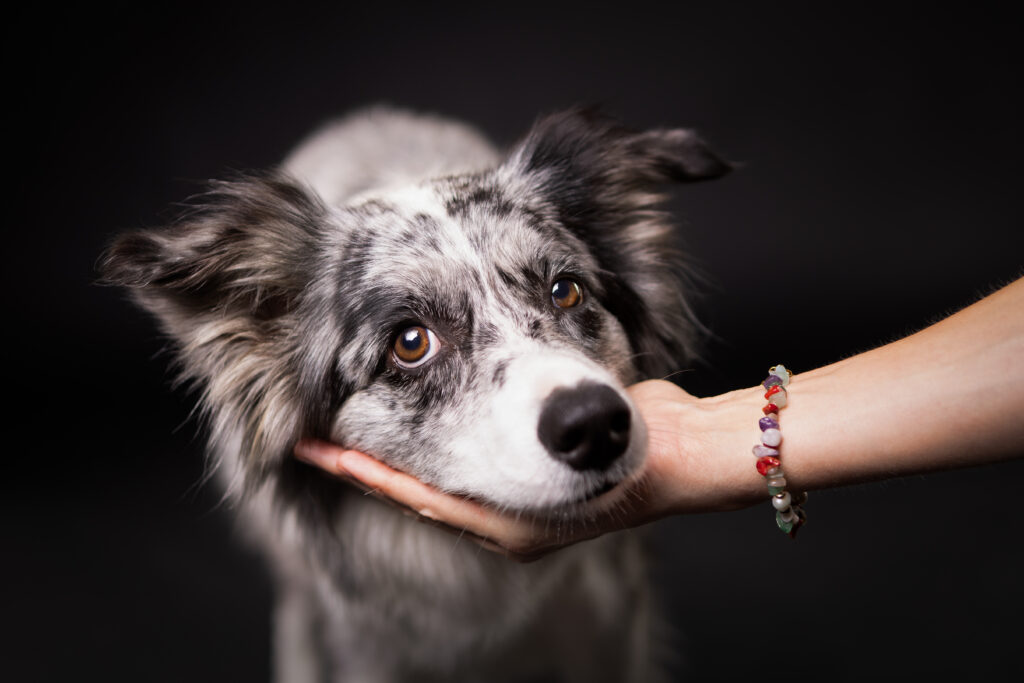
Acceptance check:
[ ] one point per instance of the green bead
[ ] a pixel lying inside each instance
(784, 525)
(775, 490)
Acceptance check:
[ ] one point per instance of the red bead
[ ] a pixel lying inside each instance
(766, 463)
(770, 408)
(772, 391)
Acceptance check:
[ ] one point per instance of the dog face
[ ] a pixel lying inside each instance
(478, 312)
(475, 331)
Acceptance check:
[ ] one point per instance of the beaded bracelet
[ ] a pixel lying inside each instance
(789, 514)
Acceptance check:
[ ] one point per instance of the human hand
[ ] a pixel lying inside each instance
(680, 474)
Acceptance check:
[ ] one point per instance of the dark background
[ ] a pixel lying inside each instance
(880, 191)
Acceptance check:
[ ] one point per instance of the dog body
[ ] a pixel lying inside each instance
(401, 287)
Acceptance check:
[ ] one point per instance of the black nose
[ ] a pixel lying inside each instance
(586, 426)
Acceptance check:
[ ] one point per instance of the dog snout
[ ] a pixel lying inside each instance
(586, 426)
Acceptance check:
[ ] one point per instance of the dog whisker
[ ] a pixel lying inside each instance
(677, 372)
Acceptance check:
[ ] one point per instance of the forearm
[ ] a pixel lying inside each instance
(948, 396)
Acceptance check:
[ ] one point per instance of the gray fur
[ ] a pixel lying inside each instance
(283, 293)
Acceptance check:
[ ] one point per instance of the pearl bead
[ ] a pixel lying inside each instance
(787, 515)
(771, 437)
(781, 501)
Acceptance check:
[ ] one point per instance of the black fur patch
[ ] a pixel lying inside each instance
(488, 198)
(599, 178)
(498, 376)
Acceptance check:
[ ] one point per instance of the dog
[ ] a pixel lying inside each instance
(468, 316)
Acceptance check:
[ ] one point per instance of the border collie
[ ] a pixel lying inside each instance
(470, 317)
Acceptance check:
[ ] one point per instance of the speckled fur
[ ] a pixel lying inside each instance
(283, 292)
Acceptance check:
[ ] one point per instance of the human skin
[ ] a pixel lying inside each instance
(951, 395)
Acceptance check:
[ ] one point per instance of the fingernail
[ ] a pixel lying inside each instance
(304, 450)
(313, 453)
(351, 463)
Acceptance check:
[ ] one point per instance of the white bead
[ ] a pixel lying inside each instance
(780, 398)
(773, 472)
(782, 373)
(778, 482)
(771, 437)
(781, 501)
(788, 515)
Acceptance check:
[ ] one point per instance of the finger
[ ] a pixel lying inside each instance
(319, 454)
(463, 514)
(514, 537)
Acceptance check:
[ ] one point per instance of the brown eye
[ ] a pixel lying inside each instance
(566, 293)
(414, 346)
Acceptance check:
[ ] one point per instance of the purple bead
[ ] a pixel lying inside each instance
(764, 451)
(767, 423)
(773, 380)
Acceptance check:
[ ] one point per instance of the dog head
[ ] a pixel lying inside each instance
(475, 331)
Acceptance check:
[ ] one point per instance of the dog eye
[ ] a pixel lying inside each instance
(566, 293)
(414, 346)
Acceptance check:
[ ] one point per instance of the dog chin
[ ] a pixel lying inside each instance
(608, 495)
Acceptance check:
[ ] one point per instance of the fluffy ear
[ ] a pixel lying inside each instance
(601, 181)
(224, 283)
(583, 145)
(242, 249)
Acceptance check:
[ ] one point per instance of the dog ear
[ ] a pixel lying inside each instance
(581, 145)
(239, 250)
(224, 283)
(601, 181)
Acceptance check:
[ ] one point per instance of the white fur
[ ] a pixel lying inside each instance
(505, 462)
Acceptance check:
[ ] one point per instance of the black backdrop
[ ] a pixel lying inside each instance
(879, 191)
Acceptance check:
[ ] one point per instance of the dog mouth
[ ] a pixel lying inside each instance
(597, 493)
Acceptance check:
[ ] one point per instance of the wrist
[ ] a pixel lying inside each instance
(716, 469)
